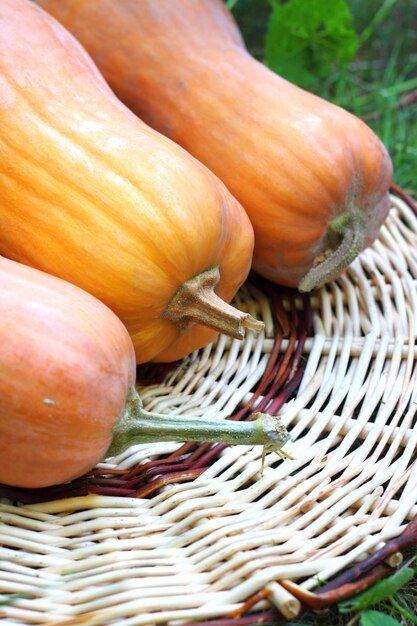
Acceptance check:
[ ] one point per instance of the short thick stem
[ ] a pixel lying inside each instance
(345, 237)
(195, 302)
(140, 426)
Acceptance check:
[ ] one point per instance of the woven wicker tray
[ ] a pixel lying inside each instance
(171, 534)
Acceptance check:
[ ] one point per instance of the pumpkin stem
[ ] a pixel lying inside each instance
(345, 240)
(139, 426)
(195, 302)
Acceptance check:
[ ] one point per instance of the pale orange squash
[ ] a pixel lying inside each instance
(66, 364)
(91, 194)
(67, 373)
(313, 178)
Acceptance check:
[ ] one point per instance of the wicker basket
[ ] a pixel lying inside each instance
(171, 534)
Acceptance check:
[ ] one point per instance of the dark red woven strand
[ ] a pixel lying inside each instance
(404, 195)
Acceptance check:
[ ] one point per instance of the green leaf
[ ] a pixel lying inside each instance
(375, 618)
(382, 590)
(306, 38)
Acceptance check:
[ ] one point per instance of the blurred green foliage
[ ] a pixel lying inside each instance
(304, 39)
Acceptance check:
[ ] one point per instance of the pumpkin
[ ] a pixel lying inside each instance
(67, 373)
(91, 194)
(312, 177)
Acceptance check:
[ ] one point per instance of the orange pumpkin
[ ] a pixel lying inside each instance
(313, 178)
(67, 372)
(91, 194)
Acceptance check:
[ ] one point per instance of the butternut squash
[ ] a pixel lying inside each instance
(312, 177)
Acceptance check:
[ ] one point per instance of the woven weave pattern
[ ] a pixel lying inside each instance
(200, 549)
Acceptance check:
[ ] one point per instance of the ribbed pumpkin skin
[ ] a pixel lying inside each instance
(66, 363)
(91, 194)
(294, 161)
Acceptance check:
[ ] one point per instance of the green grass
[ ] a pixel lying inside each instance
(374, 88)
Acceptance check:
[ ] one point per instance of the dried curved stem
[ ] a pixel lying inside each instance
(346, 236)
(195, 302)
